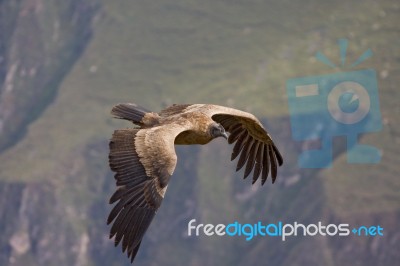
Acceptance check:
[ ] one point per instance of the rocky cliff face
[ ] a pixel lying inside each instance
(39, 43)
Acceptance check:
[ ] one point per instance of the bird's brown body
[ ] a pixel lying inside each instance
(144, 157)
(190, 136)
(186, 122)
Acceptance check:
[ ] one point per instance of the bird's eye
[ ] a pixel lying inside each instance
(215, 130)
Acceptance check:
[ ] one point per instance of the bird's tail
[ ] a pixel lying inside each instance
(130, 111)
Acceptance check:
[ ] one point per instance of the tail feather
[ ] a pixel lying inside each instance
(129, 111)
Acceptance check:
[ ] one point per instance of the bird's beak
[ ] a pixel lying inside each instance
(224, 135)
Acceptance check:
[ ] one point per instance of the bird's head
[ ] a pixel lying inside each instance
(217, 130)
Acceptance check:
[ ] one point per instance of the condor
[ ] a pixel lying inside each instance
(143, 158)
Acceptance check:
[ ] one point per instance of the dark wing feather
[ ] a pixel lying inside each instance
(265, 170)
(251, 160)
(245, 154)
(253, 143)
(259, 163)
(242, 139)
(142, 178)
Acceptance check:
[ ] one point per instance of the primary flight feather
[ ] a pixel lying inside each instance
(143, 158)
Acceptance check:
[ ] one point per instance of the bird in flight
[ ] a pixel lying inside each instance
(143, 158)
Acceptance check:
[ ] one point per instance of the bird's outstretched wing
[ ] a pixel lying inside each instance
(253, 143)
(143, 161)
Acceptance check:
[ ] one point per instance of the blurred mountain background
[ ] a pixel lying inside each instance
(64, 64)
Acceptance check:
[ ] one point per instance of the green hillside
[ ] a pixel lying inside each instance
(90, 55)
